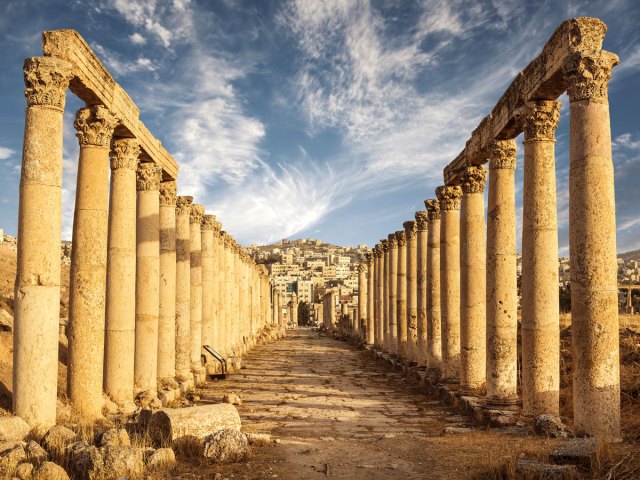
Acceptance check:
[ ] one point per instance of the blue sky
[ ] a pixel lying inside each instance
(327, 119)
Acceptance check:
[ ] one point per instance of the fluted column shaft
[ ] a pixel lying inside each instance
(592, 233)
(502, 289)
(120, 316)
(401, 298)
(412, 291)
(147, 276)
(167, 324)
(449, 197)
(371, 298)
(195, 314)
(208, 312)
(37, 287)
(434, 333)
(391, 336)
(540, 302)
(183, 288)
(473, 278)
(421, 287)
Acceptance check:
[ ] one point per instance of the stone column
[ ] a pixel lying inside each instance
(215, 287)
(411, 233)
(449, 197)
(222, 293)
(120, 317)
(592, 233)
(378, 289)
(361, 321)
(208, 313)
(473, 278)
(401, 299)
(167, 324)
(294, 308)
(391, 335)
(147, 277)
(195, 314)
(370, 337)
(540, 302)
(37, 287)
(320, 312)
(434, 340)
(94, 129)
(228, 294)
(183, 289)
(502, 289)
(385, 266)
(421, 286)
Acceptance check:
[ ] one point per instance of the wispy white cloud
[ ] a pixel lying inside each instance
(6, 153)
(137, 39)
(123, 67)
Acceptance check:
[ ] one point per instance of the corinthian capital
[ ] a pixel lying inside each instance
(410, 229)
(148, 178)
(401, 238)
(503, 154)
(588, 73)
(473, 179)
(168, 193)
(392, 241)
(384, 245)
(196, 213)
(449, 196)
(94, 126)
(46, 80)
(541, 119)
(433, 209)
(183, 204)
(362, 268)
(124, 153)
(208, 222)
(422, 220)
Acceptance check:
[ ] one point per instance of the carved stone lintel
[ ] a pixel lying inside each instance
(587, 74)
(473, 179)
(168, 193)
(393, 241)
(401, 237)
(196, 213)
(46, 80)
(503, 155)
(94, 126)
(208, 222)
(183, 204)
(422, 220)
(541, 120)
(433, 209)
(124, 153)
(449, 197)
(410, 229)
(148, 178)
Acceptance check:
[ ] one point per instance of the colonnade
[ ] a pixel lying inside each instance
(465, 278)
(153, 277)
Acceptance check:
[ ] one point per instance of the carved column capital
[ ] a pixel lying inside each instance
(503, 154)
(449, 197)
(384, 244)
(541, 119)
(208, 222)
(392, 241)
(433, 209)
(422, 220)
(124, 153)
(362, 268)
(410, 229)
(196, 213)
(473, 179)
(401, 237)
(148, 177)
(46, 80)
(587, 74)
(183, 204)
(94, 126)
(168, 193)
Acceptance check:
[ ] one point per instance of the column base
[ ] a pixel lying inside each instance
(497, 401)
(186, 386)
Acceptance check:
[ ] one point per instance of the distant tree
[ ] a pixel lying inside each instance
(565, 298)
(304, 313)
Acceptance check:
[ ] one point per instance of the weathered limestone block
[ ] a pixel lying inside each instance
(13, 429)
(434, 330)
(226, 446)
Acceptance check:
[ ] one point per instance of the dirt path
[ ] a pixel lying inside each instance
(338, 413)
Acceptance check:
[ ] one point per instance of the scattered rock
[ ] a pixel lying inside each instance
(146, 400)
(226, 446)
(109, 407)
(13, 429)
(63, 412)
(24, 471)
(232, 398)
(457, 430)
(578, 451)
(11, 454)
(115, 437)
(533, 470)
(550, 426)
(161, 459)
(258, 439)
(123, 461)
(36, 453)
(50, 471)
(86, 460)
(57, 439)
(6, 321)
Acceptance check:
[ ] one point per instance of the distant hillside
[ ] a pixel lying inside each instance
(632, 255)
